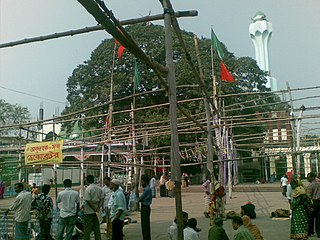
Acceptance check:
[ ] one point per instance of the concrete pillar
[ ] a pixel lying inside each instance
(289, 162)
(317, 163)
(307, 163)
(272, 164)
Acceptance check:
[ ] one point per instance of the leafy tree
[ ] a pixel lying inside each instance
(89, 84)
(12, 114)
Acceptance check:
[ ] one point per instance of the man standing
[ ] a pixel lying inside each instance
(217, 231)
(241, 231)
(107, 195)
(44, 206)
(146, 200)
(69, 202)
(283, 184)
(118, 208)
(93, 200)
(162, 183)
(21, 206)
(313, 191)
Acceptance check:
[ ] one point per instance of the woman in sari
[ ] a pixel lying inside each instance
(300, 204)
(2, 188)
(252, 227)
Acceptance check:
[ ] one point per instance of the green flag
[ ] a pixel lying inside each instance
(136, 75)
(216, 44)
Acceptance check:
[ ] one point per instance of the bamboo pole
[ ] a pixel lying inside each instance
(172, 95)
(190, 13)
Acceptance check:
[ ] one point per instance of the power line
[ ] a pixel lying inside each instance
(31, 95)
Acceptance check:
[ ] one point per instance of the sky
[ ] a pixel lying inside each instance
(41, 69)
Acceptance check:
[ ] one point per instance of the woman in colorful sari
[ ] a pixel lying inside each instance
(2, 188)
(300, 204)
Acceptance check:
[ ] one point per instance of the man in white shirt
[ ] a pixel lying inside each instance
(283, 184)
(21, 206)
(69, 202)
(172, 232)
(118, 207)
(190, 233)
(107, 195)
(93, 201)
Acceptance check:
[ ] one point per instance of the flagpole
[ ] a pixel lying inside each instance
(109, 124)
(134, 148)
(214, 82)
(216, 119)
(208, 117)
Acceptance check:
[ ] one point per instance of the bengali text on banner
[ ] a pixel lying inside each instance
(43, 153)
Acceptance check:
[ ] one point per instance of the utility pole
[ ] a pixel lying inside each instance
(109, 127)
(302, 108)
(293, 130)
(20, 157)
(208, 113)
(134, 148)
(172, 95)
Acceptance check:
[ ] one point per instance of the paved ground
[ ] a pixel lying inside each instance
(163, 212)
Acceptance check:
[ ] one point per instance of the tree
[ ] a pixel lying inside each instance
(89, 84)
(12, 114)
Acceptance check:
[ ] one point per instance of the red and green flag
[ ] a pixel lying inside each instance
(225, 75)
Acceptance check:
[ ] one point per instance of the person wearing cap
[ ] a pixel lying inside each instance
(146, 201)
(93, 200)
(300, 203)
(118, 208)
(217, 231)
(313, 191)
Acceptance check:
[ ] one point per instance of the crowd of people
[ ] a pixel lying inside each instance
(86, 214)
(111, 202)
(305, 206)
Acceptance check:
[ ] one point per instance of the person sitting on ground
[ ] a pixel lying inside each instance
(249, 210)
(241, 231)
(252, 227)
(217, 231)
(172, 233)
(191, 231)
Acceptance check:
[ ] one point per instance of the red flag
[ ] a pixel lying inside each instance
(120, 51)
(107, 122)
(225, 74)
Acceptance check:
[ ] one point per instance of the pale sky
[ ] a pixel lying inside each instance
(42, 68)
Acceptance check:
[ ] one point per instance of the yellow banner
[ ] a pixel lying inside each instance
(43, 153)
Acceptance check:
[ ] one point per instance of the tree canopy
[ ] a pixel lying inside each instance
(89, 84)
(12, 114)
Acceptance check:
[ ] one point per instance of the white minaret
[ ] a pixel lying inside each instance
(260, 33)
